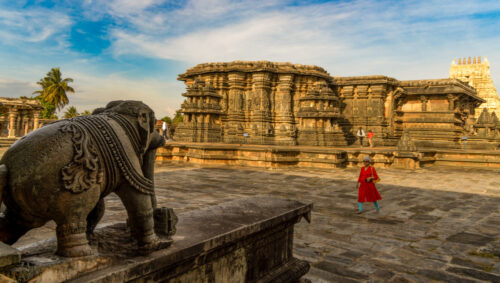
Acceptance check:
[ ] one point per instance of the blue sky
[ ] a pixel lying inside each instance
(134, 49)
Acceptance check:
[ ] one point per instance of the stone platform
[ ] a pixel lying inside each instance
(436, 224)
(246, 240)
(322, 157)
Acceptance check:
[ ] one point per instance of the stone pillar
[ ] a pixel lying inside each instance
(36, 119)
(261, 116)
(233, 131)
(26, 125)
(284, 124)
(284, 101)
(12, 122)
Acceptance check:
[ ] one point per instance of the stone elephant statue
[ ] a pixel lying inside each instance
(63, 171)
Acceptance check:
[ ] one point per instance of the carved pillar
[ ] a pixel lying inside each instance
(19, 123)
(284, 93)
(233, 131)
(236, 88)
(26, 124)
(262, 88)
(424, 100)
(261, 116)
(12, 122)
(284, 125)
(36, 119)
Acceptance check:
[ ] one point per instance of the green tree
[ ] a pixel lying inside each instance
(85, 113)
(71, 112)
(167, 119)
(48, 111)
(179, 117)
(54, 88)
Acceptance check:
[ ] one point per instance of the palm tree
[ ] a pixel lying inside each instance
(85, 113)
(54, 88)
(71, 112)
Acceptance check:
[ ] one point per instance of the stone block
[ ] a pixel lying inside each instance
(8, 255)
(246, 240)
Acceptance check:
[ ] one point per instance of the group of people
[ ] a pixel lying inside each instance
(361, 135)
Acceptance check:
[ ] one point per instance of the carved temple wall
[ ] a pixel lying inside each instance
(266, 103)
(288, 104)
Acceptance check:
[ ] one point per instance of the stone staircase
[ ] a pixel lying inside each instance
(7, 142)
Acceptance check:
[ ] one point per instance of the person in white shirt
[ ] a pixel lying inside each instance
(361, 134)
(164, 129)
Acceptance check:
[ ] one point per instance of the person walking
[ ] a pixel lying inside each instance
(164, 129)
(370, 137)
(367, 192)
(361, 135)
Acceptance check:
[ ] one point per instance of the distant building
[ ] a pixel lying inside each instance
(19, 116)
(477, 74)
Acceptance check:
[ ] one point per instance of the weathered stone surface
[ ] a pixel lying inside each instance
(316, 157)
(474, 274)
(339, 270)
(465, 199)
(443, 276)
(470, 238)
(8, 255)
(244, 240)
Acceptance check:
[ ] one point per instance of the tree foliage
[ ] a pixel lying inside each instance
(167, 119)
(71, 112)
(48, 111)
(179, 117)
(85, 113)
(54, 88)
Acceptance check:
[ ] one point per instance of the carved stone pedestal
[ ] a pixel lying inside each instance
(248, 240)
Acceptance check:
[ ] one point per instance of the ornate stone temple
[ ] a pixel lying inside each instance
(19, 116)
(270, 103)
(289, 104)
(477, 74)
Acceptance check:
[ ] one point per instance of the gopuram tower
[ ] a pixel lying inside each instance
(477, 74)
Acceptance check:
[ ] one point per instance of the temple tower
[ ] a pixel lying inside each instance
(202, 113)
(476, 73)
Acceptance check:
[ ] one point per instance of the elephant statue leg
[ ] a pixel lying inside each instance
(140, 213)
(72, 239)
(95, 216)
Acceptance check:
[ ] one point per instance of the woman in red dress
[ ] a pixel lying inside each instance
(366, 185)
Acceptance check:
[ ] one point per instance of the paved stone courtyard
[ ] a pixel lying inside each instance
(438, 224)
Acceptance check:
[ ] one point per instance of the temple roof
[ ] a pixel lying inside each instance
(439, 86)
(20, 103)
(255, 66)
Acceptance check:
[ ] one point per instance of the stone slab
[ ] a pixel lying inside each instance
(221, 240)
(8, 255)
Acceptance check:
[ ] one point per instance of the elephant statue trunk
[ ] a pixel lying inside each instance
(63, 171)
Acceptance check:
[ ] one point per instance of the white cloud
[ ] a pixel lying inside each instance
(404, 39)
(32, 26)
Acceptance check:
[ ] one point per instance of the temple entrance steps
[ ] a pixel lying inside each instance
(271, 156)
(6, 142)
